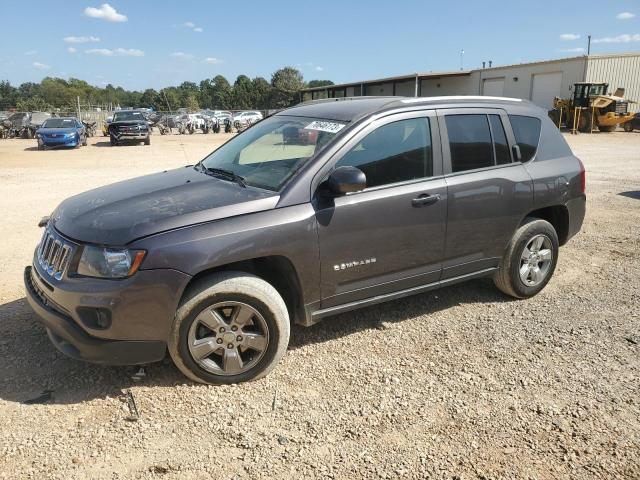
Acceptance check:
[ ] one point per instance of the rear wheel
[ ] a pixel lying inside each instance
(232, 327)
(529, 261)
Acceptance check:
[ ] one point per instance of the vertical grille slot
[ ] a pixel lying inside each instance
(54, 254)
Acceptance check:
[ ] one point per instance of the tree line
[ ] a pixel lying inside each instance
(215, 93)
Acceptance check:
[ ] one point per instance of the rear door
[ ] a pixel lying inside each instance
(489, 192)
(390, 236)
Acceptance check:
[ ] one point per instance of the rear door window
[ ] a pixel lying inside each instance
(469, 142)
(527, 133)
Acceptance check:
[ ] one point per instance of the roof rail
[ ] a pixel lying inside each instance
(458, 97)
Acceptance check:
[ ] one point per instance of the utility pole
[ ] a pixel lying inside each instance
(588, 44)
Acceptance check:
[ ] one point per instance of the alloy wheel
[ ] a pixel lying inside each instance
(228, 338)
(536, 260)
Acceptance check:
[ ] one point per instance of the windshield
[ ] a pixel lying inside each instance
(59, 123)
(269, 153)
(127, 116)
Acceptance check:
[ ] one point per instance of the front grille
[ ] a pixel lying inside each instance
(54, 253)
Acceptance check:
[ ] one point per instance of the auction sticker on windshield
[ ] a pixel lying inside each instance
(331, 127)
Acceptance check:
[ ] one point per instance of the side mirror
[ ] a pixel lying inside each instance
(344, 180)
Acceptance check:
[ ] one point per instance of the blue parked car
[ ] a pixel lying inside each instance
(61, 132)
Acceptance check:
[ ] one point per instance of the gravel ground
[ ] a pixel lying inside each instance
(459, 383)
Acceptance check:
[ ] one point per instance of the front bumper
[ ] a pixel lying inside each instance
(120, 136)
(71, 340)
(59, 142)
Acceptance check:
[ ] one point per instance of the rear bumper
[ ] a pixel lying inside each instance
(74, 342)
(577, 208)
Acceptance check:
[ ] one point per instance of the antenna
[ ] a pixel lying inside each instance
(462, 59)
(588, 44)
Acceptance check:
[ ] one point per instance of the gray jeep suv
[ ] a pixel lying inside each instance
(325, 207)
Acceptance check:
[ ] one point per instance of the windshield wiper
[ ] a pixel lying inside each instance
(226, 175)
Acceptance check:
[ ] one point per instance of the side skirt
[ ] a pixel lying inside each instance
(316, 316)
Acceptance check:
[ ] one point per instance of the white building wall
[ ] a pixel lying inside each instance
(463, 85)
(618, 71)
(518, 79)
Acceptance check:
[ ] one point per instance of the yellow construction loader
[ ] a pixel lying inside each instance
(590, 108)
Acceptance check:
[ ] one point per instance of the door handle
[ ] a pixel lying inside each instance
(425, 199)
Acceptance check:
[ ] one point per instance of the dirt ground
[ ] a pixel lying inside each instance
(459, 383)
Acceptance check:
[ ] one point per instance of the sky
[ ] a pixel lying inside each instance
(152, 44)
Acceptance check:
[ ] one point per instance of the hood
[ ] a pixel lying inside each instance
(122, 212)
(49, 131)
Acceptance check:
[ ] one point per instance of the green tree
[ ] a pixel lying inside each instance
(8, 95)
(243, 93)
(287, 83)
(33, 104)
(319, 83)
(191, 103)
(150, 98)
(261, 93)
(221, 93)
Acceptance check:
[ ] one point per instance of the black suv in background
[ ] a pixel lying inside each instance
(319, 209)
(129, 126)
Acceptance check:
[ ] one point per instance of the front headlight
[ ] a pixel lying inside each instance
(109, 262)
(71, 135)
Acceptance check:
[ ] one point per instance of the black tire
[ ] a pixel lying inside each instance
(628, 126)
(147, 141)
(230, 287)
(507, 278)
(84, 142)
(113, 140)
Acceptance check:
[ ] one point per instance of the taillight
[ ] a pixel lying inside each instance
(583, 177)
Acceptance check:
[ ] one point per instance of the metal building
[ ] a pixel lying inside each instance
(539, 82)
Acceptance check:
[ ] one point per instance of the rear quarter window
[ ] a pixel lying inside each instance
(527, 133)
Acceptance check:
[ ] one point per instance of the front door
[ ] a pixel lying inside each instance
(390, 236)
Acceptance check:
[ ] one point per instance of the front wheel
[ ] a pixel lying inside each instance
(231, 327)
(113, 140)
(628, 126)
(147, 141)
(529, 261)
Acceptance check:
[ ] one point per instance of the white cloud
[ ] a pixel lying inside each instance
(569, 36)
(120, 52)
(105, 12)
(182, 55)
(192, 26)
(319, 68)
(72, 50)
(212, 61)
(625, 38)
(80, 39)
(31, 52)
(129, 52)
(625, 16)
(105, 52)
(41, 66)
(572, 50)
